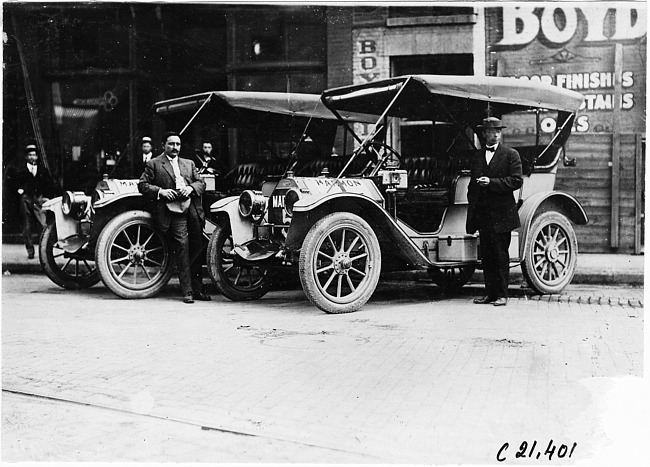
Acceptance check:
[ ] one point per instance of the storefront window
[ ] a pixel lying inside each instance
(88, 43)
(416, 11)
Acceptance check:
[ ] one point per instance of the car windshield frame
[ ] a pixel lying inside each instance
(461, 100)
(243, 109)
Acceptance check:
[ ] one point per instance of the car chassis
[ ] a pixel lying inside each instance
(110, 235)
(341, 231)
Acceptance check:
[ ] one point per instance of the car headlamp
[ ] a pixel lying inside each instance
(252, 204)
(290, 199)
(75, 204)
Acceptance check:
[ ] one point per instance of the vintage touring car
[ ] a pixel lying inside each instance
(381, 209)
(110, 235)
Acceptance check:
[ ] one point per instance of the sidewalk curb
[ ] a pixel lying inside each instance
(517, 277)
(586, 278)
(33, 267)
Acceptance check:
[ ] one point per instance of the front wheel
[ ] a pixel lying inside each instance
(550, 253)
(235, 278)
(340, 262)
(67, 270)
(133, 256)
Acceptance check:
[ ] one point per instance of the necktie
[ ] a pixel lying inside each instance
(32, 169)
(146, 157)
(180, 182)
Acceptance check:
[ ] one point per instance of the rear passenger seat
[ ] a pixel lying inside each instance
(313, 168)
(251, 175)
(425, 173)
(434, 173)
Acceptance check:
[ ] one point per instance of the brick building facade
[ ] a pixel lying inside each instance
(95, 69)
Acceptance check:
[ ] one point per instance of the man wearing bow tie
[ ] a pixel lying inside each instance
(492, 210)
(32, 184)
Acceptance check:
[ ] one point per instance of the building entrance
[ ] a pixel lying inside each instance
(423, 138)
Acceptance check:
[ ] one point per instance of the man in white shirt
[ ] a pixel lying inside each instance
(32, 184)
(145, 157)
(492, 210)
(174, 187)
(146, 149)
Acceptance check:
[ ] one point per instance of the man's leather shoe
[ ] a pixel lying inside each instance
(30, 255)
(188, 298)
(201, 296)
(484, 300)
(501, 301)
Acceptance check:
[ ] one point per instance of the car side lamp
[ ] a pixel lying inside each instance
(393, 180)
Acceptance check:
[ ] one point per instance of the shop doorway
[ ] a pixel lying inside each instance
(441, 64)
(423, 138)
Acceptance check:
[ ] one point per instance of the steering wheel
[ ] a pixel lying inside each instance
(388, 157)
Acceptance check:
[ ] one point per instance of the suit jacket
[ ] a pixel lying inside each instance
(138, 165)
(215, 164)
(158, 174)
(39, 185)
(505, 175)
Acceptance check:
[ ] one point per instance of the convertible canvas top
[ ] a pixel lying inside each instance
(426, 96)
(279, 103)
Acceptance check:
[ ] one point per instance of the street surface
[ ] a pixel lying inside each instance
(413, 377)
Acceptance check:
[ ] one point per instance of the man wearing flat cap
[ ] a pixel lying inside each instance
(32, 183)
(492, 210)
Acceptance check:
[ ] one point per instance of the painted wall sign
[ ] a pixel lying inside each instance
(559, 25)
(108, 101)
(369, 64)
(574, 46)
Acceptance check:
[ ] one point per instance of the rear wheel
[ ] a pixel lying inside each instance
(340, 262)
(451, 279)
(133, 256)
(235, 278)
(550, 254)
(70, 271)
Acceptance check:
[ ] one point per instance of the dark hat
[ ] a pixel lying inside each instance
(30, 148)
(146, 139)
(491, 122)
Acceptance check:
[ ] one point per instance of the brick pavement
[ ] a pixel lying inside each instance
(414, 377)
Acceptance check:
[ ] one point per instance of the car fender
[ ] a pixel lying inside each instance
(106, 209)
(120, 198)
(228, 208)
(66, 226)
(387, 230)
(548, 201)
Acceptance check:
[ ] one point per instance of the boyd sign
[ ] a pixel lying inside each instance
(559, 24)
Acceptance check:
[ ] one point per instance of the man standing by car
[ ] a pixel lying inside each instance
(496, 174)
(32, 184)
(175, 188)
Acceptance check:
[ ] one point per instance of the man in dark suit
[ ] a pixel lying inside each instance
(175, 188)
(32, 183)
(496, 174)
(205, 162)
(145, 156)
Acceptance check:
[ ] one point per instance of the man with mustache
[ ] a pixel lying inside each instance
(492, 210)
(175, 188)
